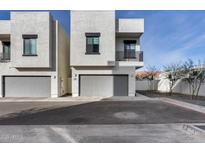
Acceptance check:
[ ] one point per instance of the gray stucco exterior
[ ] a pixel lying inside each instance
(38, 23)
(51, 61)
(92, 21)
(60, 62)
(113, 33)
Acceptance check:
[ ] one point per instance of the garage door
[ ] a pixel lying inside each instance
(121, 85)
(103, 85)
(21, 86)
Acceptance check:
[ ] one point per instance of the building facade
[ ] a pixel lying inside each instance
(34, 56)
(104, 53)
(37, 59)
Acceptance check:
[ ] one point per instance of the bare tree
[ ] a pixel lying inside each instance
(194, 75)
(173, 74)
(201, 79)
(189, 75)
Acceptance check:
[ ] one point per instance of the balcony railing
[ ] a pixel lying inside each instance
(129, 56)
(4, 58)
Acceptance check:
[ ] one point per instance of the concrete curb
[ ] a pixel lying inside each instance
(41, 99)
(46, 100)
(186, 105)
(75, 99)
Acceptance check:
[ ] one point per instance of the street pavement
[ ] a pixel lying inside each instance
(102, 121)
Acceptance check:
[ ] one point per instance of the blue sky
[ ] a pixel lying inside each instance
(170, 36)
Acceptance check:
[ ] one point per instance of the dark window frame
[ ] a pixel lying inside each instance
(129, 53)
(8, 44)
(29, 37)
(92, 48)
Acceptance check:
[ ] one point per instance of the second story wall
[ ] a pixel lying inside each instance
(90, 23)
(5, 27)
(35, 28)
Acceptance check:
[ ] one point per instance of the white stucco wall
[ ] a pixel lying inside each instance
(183, 87)
(146, 85)
(102, 22)
(180, 87)
(164, 85)
(130, 25)
(31, 23)
(5, 27)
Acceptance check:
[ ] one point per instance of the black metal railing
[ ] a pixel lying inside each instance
(4, 58)
(129, 56)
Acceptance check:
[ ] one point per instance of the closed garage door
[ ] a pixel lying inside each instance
(26, 86)
(121, 85)
(103, 85)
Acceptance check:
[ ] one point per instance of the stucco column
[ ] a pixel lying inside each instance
(1, 92)
(75, 83)
(131, 85)
(54, 86)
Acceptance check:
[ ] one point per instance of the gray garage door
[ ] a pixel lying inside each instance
(107, 85)
(27, 86)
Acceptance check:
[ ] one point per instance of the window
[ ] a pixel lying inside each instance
(6, 50)
(92, 43)
(30, 45)
(129, 49)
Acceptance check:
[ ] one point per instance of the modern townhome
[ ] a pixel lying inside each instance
(37, 59)
(34, 56)
(104, 53)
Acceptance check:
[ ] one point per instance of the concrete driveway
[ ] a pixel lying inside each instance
(129, 133)
(99, 121)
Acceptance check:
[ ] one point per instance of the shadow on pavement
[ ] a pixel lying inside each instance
(106, 112)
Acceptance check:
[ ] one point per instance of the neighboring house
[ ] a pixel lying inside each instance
(34, 56)
(105, 53)
(141, 75)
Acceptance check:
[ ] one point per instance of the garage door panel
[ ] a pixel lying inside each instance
(96, 86)
(27, 86)
(107, 85)
(120, 85)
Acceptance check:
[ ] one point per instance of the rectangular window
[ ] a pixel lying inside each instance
(6, 50)
(129, 48)
(92, 43)
(30, 45)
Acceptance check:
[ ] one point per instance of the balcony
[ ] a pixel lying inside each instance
(129, 56)
(4, 58)
(134, 58)
(129, 27)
